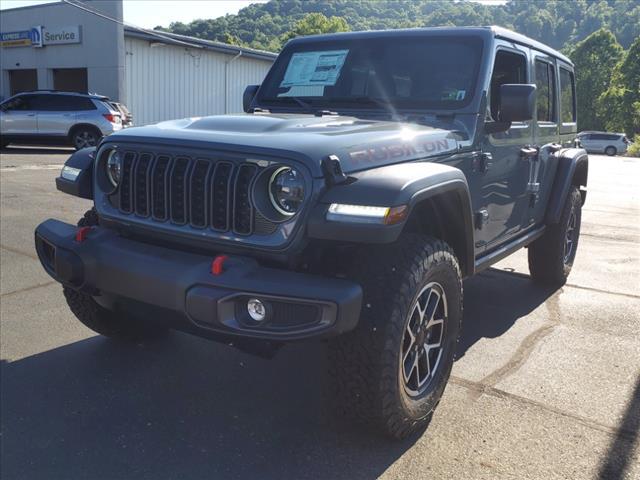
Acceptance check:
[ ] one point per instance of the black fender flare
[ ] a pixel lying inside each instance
(572, 170)
(82, 186)
(408, 184)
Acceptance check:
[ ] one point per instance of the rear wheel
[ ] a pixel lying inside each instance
(391, 371)
(611, 151)
(83, 137)
(551, 256)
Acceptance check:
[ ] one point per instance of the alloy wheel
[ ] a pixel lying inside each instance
(422, 347)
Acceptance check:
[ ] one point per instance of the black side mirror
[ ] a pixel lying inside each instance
(248, 96)
(517, 102)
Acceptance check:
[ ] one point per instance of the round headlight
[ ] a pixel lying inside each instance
(114, 167)
(286, 190)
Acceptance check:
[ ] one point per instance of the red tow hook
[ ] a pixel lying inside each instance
(217, 266)
(82, 233)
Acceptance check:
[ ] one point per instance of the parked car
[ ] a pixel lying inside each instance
(127, 117)
(347, 204)
(47, 117)
(604, 142)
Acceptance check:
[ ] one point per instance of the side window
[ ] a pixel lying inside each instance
(509, 67)
(79, 103)
(545, 92)
(44, 103)
(23, 102)
(567, 96)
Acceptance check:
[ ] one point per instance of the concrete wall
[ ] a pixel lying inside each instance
(167, 81)
(101, 50)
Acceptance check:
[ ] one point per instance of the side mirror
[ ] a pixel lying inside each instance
(248, 96)
(517, 102)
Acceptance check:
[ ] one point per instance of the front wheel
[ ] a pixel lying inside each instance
(611, 151)
(391, 371)
(84, 137)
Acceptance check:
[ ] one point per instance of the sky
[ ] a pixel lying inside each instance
(151, 13)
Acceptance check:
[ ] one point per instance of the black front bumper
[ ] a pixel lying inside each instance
(155, 281)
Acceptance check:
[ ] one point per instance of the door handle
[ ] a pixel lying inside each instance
(528, 153)
(31, 114)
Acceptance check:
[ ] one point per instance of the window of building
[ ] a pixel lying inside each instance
(23, 80)
(70, 80)
(567, 96)
(545, 92)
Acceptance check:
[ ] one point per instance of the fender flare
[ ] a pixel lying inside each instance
(82, 186)
(410, 184)
(572, 170)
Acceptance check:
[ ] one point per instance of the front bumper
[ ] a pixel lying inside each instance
(127, 275)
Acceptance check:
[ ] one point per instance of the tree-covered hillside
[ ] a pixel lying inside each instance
(601, 36)
(559, 23)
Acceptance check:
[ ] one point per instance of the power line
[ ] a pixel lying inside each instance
(126, 24)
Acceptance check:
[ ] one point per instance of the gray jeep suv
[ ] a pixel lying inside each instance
(59, 118)
(371, 173)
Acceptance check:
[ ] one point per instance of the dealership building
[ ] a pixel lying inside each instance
(86, 47)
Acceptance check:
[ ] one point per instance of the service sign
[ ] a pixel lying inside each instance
(61, 35)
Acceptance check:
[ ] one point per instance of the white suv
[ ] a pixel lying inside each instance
(51, 117)
(603, 142)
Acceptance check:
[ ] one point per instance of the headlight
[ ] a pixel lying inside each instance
(114, 167)
(286, 190)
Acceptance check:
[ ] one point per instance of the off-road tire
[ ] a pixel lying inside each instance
(365, 363)
(548, 263)
(611, 151)
(101, 320)
(117, 325)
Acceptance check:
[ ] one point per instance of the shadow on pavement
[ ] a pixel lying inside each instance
(183, 407)
(36, 150)
(494, 300)
(622, 447)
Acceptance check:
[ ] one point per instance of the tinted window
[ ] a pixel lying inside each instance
(545, 92)
(567, 96)
(509, 67)
(23, 102)
(62, 103)
(407, 72)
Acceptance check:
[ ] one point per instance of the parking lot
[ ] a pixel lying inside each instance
(546, 385)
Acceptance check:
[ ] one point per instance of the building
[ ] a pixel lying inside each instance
(86, 47)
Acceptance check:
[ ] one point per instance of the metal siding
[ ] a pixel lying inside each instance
(168, 82)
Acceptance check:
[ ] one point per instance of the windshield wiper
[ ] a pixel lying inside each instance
(302, 103)
(387, 105)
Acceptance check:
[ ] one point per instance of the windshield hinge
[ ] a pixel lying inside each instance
(332, 171)
(259, 110)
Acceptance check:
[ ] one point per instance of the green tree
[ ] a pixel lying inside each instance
(317, 23)
(619, 105)
(595, 58)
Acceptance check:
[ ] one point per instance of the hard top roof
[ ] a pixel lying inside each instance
(486, 32)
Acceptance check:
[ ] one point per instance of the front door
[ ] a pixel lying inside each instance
(18, 116)
(503, 198)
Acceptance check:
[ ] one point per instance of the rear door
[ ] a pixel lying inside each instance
(18, 116)
(546, 136)
(55, 114)
(567, 110)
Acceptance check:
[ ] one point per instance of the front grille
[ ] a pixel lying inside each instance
(199, 192)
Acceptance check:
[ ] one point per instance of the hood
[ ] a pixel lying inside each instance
(358, 143)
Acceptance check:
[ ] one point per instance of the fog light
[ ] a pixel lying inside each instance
(257, 310)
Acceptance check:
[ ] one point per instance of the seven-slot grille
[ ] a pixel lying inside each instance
(192, 191)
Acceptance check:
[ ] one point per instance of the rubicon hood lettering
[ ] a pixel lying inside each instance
(358, 143)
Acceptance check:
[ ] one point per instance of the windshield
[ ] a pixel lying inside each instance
(411, 72)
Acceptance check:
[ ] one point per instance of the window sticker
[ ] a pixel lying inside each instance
(314, 68)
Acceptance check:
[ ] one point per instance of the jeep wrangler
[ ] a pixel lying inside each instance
(370, 173)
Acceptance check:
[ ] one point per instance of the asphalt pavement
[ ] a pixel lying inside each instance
(546, 384)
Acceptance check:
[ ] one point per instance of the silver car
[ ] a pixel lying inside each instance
(61, 118)
(604, 142)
